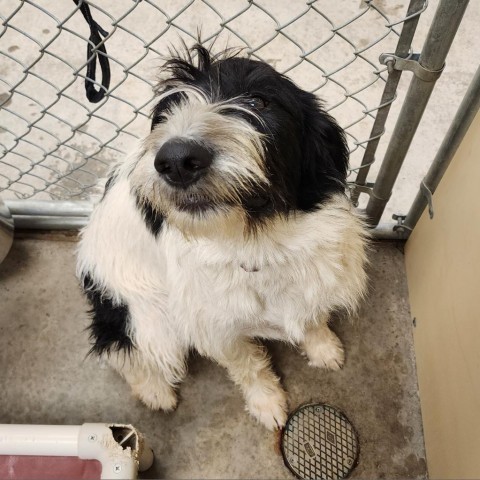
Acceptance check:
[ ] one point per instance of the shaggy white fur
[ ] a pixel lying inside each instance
(218, 290)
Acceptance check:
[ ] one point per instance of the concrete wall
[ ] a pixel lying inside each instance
(443, 269)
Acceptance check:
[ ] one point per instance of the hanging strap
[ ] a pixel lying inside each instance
(93, 95)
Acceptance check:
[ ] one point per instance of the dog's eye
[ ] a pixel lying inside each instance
(257, 103)
(159, 119)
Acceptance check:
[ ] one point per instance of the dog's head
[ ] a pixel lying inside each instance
(231, 136)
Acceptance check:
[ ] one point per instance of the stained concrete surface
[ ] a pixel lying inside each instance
(47, 379)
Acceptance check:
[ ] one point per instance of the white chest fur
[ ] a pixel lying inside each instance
(271, 284)
(203, 289)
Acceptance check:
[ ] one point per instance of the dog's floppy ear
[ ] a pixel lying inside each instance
(324, 159)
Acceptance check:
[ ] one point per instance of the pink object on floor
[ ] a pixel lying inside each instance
(26, 467)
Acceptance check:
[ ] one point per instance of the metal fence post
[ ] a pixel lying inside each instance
(439, 39)
(463, 118)
(415, 8)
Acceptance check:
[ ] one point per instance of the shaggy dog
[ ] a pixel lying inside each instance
(228, 224)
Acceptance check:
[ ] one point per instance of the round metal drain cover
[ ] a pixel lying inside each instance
(319, 442)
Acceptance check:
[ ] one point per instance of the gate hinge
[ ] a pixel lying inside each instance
(412, 64)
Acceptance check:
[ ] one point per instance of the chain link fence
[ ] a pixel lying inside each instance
(55, 144)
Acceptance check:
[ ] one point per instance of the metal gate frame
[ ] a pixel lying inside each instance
(426, 68)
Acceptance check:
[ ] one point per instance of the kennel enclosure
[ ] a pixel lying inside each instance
(56, 145)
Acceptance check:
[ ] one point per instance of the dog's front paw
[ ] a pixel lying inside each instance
(268, 406)
(327, 353)
(155, 398)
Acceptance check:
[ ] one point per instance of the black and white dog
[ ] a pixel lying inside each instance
(229, 223)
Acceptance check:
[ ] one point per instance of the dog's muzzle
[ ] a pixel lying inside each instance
(182, 162)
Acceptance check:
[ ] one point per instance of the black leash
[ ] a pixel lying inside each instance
(93, 95)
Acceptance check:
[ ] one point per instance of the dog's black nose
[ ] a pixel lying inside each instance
(182, 162)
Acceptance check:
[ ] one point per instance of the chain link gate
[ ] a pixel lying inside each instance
(55, 145)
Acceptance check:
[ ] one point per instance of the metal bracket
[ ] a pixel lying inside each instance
(411, 64)
(400, 227)
(365, 188)
(428, 195)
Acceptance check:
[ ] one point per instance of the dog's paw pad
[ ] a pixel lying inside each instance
(329, 355)
(165, 399)
(269, 407)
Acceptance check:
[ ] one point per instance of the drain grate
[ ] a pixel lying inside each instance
(319, 442)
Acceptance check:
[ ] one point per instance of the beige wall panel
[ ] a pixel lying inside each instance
(443, 269)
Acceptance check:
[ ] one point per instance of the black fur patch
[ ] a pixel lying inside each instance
(108, 330)
(110, 183)
(153, 219)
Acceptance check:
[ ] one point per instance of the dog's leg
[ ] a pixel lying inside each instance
(148, 382)
(323, 347)
(249, 367)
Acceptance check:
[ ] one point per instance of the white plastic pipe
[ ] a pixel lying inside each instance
(58, 440)
(90, 441)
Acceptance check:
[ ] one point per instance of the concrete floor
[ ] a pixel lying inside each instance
(47, 377)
